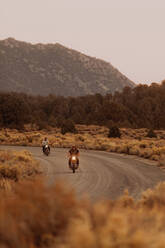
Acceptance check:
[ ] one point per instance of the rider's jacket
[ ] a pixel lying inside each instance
(74, 151)
(45, 142)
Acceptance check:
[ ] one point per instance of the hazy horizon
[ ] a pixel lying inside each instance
(129, 35)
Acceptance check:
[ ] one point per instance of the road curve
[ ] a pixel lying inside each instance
(101, 175)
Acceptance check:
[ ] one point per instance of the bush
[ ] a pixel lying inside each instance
(42, 125)
(38, 214)
(17, 165)
(151, 134)
(114, 132)
(68, 127)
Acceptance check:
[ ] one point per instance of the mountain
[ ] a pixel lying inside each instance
(53, 68)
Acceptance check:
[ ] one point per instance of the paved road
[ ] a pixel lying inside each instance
(101, 175)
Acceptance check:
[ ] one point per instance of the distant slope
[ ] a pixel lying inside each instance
(53, 68)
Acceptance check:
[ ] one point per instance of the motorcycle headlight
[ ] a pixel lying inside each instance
(74, 158)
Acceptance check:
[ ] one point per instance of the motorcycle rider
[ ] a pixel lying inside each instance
(74, 151)
(44, 143)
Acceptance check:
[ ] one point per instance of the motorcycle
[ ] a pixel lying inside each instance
(73, 163)
(46, 150)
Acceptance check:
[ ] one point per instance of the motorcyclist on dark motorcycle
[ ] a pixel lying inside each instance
(44, 143)
(74, 151)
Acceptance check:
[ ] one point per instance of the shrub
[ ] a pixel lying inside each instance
(42, 125)
(151, 134)
(17, 165)
(161, 161)
(68, 127)
(39, 215)
(52, 121)
(114, 132)
(44, 216)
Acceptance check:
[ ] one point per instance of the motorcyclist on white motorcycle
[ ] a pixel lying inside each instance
(44, 143)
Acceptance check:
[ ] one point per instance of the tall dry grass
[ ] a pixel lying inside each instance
(15, 166)
(41, 216)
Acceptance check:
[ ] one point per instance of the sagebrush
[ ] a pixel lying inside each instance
(42, 216)
(16, 166)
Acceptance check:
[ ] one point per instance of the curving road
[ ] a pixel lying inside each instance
(101, 175)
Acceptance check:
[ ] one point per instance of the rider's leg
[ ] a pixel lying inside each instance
(69, 161)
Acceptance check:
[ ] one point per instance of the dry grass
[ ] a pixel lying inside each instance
(15, 166)
(40, 216)
(35, 216)
(133, 142)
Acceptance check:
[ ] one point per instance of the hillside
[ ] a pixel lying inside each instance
(53, 68)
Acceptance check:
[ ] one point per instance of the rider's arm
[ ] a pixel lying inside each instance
(69, 154)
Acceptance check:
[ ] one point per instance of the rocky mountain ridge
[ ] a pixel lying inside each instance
(54, 69)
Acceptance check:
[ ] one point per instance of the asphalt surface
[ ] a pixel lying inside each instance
(101, 175)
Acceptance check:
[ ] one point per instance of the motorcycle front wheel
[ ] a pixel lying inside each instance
(47, 152)
(73, 169)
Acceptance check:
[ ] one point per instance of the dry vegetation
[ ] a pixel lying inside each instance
(15, 166)
(40, 216)
(132, 142)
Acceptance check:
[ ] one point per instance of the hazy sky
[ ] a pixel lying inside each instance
(128, 33)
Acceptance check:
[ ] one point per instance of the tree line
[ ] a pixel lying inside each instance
(142, 106)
